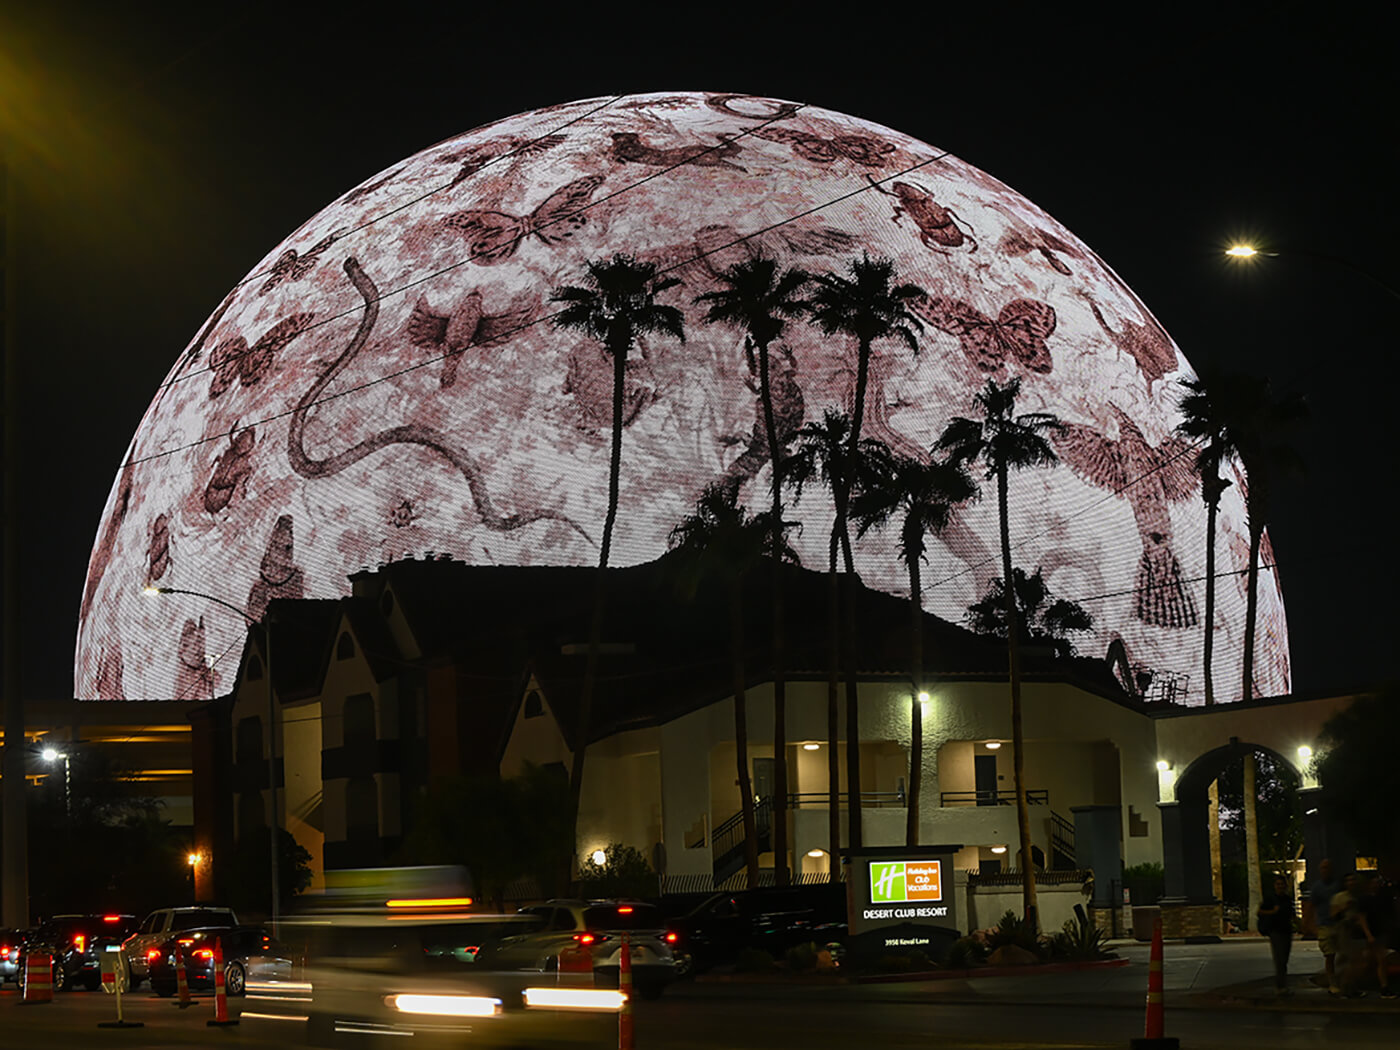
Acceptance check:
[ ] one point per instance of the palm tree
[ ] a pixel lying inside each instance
(1042, 619)
(823, 453)
(1004, 442)
(759, 300)
(1238, 415)
(1204, 422)
(722, 539)
(925, 493)
(869, 305)
(615, 305)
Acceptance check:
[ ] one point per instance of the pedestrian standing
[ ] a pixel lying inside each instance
(1320, 895)
(1276, 919)
(1350, 939)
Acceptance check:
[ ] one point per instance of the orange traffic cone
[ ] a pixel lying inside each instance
(624, 985)
(221, 1017)
(182, 983)
(1153, 1037)
(38, 978)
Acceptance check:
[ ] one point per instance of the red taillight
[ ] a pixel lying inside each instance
(204, 953)
(80, 941)
(672, 938)
(585, 938)
(152, 955)
(624, 909)
(185, 942)
(111, 918)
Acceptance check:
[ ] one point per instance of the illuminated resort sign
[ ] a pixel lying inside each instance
(898, 900)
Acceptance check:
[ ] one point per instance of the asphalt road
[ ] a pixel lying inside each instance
(1217, 998)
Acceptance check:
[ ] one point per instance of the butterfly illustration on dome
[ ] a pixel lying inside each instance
(472, 159)
(938, 226)
(868, 150)
(291, 266)
(1018, 332)
(465, 324)
(493, 236)
(234, 359)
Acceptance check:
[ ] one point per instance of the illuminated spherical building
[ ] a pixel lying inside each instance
(387, 382)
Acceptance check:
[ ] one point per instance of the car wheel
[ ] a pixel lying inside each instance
(60, 979)
(235, 980)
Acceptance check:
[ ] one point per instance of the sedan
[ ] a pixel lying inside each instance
(249, 952)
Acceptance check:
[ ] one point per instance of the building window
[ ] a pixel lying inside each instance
(249, 747)
(345, 648)
(361, 810)
(360, 733)
(534, 706)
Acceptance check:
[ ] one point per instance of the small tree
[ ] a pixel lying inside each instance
(1041, 618)
(623, 873)
(1357, 767)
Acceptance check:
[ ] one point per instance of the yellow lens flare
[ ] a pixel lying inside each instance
(1242, 251)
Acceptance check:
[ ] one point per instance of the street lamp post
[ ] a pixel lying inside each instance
(1243, 252)
(51, 755)
(271, 734)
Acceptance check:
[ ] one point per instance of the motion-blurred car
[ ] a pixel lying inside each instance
(599, 926)
(157, 928)
(10, 941)
(417, 972)
(76, 943)
(249, 953)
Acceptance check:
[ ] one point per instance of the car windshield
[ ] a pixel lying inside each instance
(623, 916)
(197, 917)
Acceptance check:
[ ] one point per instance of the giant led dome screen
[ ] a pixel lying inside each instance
(386, 383)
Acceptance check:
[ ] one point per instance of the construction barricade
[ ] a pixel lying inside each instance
(38, 978)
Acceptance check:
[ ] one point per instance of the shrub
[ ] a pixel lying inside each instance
(1145, 882)
(965, 953)
(1079, 939)
(753, 960)
(801, 958)
(915, 961)
(1013, 930)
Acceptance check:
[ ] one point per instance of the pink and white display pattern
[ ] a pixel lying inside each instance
(386, 383)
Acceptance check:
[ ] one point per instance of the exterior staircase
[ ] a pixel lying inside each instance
(727, 840)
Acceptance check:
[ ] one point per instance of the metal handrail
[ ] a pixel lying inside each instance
(1034, 797)
(797, 799)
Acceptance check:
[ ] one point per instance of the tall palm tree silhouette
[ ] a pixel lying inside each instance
(615, 304)
(923, 493)
(869, 304)
(759, 300)
(1004, 442)
(720, 538)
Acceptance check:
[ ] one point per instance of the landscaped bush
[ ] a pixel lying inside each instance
(915, 961)
(1079, 939)
(965, 953)
(801, 958)
(1013, 930)
(1145, 882)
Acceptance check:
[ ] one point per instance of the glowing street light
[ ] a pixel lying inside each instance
(50, 754)
(1242, 251)
(599, 857)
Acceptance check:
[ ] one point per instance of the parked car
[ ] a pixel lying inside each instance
(157, 927)
(419, 975)
(773, 920)
(249, 952)
(10, 941)
(76, 943)
(598, 926)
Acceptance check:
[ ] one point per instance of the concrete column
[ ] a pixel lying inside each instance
(1216, 885)
(1186, 851)
(1251, 838)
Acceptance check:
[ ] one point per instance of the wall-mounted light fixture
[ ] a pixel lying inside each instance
(992, 745)
(998, 849)
(599, 857)
(1305, 752)
(816, 853)
(811, 747)
(1163, 765)
(924, 699)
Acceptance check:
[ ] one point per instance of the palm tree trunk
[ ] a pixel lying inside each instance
(833, 713)
(780, 770)
(741, 731)
(1212, 510)
(916, 723)
(1018, 758)
(618, 349)
(1251, 614)
(854, 829)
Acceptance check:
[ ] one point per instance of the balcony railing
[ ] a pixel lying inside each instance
(1034, 797)
(868, 799)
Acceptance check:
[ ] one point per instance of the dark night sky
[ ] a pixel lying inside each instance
(167, 152)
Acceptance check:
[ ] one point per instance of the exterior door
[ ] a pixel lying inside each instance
(985, 771)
